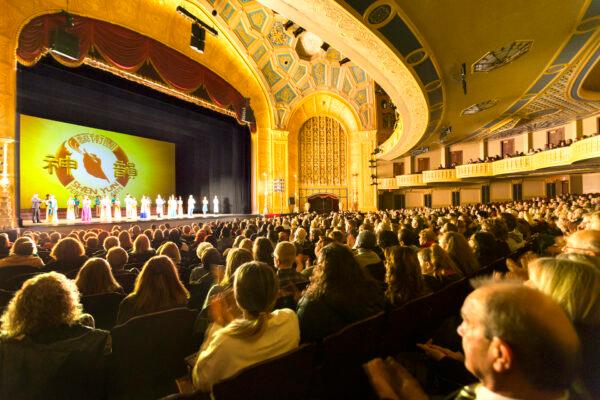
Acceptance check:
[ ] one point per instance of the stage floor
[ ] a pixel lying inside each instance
(67, 226)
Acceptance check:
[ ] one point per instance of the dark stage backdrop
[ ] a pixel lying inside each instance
(212, 150)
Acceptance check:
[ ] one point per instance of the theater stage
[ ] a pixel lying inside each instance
(65, 226)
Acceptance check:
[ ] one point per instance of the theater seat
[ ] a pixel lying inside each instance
(148, 353)
(9, 272)
(103, 307)
(340, 374)
(5, 298)
(17, 281)
(285, 377)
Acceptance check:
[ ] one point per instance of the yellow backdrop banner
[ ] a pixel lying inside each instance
(66, 159)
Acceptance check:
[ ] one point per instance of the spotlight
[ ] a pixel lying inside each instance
(198, 39)
(288, 25)
(344, 60)
(197, 20)
(325, 46)
(214, 13)
(64, 43)
(298, 31)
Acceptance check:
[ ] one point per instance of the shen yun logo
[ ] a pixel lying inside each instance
(91, 164)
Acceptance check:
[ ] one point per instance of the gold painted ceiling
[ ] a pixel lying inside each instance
(271, 49)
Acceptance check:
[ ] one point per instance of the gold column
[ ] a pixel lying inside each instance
(279, 169)
(362, 144)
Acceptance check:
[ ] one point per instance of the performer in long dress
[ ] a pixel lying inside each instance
(179, 207)
(127, 206)
(105, 211)
(191, 203)
(172, 206)
(86, 210)
(143, 207)
(160, 207)
(134, 207)
(53, 210)
(204, 205)
(76, 200)
(215, 205)
(35, 208)
(70, 209)
(117, 209)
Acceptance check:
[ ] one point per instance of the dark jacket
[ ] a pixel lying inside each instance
(325, 315)
(63, 363)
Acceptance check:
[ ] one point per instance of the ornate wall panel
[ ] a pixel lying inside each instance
(323, 152)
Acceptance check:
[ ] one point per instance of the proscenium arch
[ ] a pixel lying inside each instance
(156, 20)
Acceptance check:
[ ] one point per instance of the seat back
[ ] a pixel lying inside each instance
(342, 355)
(148, 353)
(284, 377)
(103, 307)
(9, 272)
(377, 271)
(5, 298)
(126, 280)
(17, 281)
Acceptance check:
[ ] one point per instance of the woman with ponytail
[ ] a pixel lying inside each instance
(261, 333)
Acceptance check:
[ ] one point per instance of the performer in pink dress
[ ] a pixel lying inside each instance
(86, 210)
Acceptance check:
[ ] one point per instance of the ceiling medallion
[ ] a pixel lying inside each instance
(475, 108)
(502, 56)
(379, 14)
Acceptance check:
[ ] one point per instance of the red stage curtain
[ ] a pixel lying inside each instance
(128, 50)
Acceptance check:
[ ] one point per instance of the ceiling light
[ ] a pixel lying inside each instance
(344, 61)
(311, 43)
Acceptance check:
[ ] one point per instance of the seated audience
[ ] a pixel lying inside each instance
(261, 333)
(339, 293)
(262, 250)
(459, 251)
(68, 255)
(141, 250)
(95, 277)
(117, 258)
(170, 250)
(22, 252)
(291, 282)
(46, 351)
(403, 276)
(157, 288)
(437, 268)
(4, 245)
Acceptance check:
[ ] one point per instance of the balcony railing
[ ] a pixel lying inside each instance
(581, 150)
(474, 170)
(409, 180)
(440, 175)
(387, 183)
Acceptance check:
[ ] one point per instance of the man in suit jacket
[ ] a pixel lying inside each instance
(35, 208)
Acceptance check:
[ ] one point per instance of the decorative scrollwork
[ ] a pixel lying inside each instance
(322, 144)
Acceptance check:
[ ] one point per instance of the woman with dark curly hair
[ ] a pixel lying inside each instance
(46, 351)
(339, 293)
(403, 276)
(68, 255)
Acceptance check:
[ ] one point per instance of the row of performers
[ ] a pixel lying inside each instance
(109, 209)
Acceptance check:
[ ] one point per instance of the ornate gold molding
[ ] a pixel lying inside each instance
(338, 27)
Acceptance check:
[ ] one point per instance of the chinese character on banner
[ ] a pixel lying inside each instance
(121, 169)
(51, 164)
(68, 164)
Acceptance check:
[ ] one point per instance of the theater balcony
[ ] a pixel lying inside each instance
(511, 165)
(409, 180)
(585, 150)
(474, 170)
(440, 176)
(387, 183)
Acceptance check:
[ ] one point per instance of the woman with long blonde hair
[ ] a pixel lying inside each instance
(157, 288)
(259, 334)
(95, 277)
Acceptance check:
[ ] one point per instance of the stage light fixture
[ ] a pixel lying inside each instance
(64, 43)
(247, 112)
(181, 10)
(288, 25)
(325, 46)
(298, 31)
(344, 60)
(198, 38)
